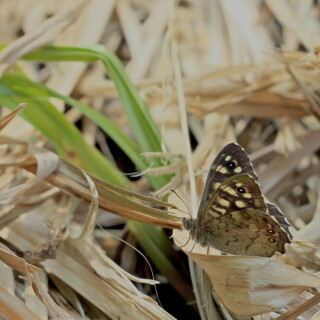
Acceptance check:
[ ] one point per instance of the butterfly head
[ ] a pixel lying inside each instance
(190, 225)
(196, 232)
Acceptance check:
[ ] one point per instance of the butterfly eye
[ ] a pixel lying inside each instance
(241, 190)
(231, 164)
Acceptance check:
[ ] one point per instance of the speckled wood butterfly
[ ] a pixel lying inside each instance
(233, 215)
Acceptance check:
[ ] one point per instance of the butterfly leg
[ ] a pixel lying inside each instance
(208, 248)
(186, 242)
(193, 246)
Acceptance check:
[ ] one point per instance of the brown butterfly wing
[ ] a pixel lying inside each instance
(245, 232)
(236, 193)
(233, 160)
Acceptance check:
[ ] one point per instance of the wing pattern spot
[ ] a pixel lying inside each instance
(240, 204)
(238, 170)
(224, 202)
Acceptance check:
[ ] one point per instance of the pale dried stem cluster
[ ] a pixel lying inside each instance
(232, 70)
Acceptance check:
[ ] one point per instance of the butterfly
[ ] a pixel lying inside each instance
(233, 215)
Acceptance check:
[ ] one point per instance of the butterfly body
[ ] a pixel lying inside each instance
(233, 215)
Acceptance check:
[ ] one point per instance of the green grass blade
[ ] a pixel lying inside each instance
(25, 87)
(66, 138)
(143, 126)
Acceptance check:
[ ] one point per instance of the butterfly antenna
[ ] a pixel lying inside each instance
(144, 257)
(189, 213)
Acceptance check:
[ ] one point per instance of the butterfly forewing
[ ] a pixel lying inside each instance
(231, 160)
(236, 193)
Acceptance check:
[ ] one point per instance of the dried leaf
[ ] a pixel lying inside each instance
(249, 285)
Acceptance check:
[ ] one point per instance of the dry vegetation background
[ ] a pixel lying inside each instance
(245, 71)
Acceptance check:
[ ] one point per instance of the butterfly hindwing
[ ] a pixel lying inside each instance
(245, 232)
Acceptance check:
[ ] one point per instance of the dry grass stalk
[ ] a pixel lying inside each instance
(39, 36)
(31, 299)
(30, 272)
(281, 167)
(46, 165)
(13, 308)
(108, 290)
(90, 222)
(300, 309)
(114, 199)
(83, 32)
(4, 121)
